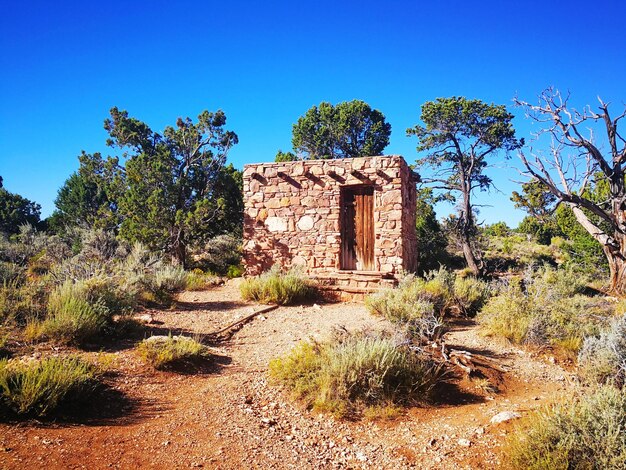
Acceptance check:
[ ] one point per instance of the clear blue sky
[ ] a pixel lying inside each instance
(64, 65)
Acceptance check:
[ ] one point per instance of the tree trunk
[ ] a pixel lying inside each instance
(467, 229)
(178, 251)
(617, 267)
(470, 258)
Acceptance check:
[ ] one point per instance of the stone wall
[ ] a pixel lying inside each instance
(292, 213)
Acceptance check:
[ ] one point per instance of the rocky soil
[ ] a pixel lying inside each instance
(225, 415)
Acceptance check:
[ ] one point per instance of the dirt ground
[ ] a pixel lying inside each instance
(225, 415)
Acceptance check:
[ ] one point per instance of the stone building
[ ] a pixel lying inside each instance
(349, 222)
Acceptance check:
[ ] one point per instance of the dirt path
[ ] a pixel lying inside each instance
(228, 417)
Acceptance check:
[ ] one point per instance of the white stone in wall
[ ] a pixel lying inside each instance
(305, 223)
(298, 261)
(276, 224)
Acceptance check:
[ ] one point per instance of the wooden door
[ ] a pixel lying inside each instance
(357, 229)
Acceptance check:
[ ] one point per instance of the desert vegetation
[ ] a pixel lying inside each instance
(38, 387)
(354, 373)
(165, 351)
(278, 287)
(128, 238)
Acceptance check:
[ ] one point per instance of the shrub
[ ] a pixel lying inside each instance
(78, 311)
(440, 292)
(406, 306)
(169, 279)
(277, 287)
(219, 254)
(545, 309)
(586, 433)
(470, 294)
(20, 301)
(165, 351)
(234, 270)
(38, 387)
(198, 280)
(354, 371)
(602, 359)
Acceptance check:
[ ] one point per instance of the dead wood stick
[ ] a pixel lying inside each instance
(478, 359)
(244, 320)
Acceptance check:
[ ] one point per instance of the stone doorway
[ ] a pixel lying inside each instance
(357, 228)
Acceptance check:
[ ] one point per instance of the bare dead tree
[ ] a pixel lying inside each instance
(575, 156)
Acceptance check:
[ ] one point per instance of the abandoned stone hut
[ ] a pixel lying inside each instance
(349, 222)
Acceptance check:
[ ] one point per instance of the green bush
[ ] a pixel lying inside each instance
(470, 294)
(38, 387)
(234, 270)
(165, 351)
(20, 301)
(407, 306)
(352, 372)
(78, 311)
(168, 279)
(198, 280)
(545, 309)
(417, 300)
(277, 287)
(587, 433)
(602, 359)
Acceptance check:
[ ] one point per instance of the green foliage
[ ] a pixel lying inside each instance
(162, 352)
(234, 270)
(78, 311)
(543, 231)
(218, 254)
(285, 156)
(89, 197)
(356, 370)
(410, 306)
(20, 301)
(168, 279)
(177, 188)
(36, 388)
(16, 210)
(458, 137)
(431, 239)
(547, 309)
(535, 199)
(277, 287)
(199, 280)
(347, 130)
(419, 304)
(602, 359)
(584, 433)
(499, 229)
(515, 253)
(585, 252)
(470, 294)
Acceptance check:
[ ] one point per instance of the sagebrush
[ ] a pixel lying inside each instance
(582, 433)
(36, 388)
(165, 351)
(355, 371)
(278, 287)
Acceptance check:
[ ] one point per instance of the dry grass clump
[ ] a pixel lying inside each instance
(36, 388)
(77, 311)
(602, 359)
(278, 287)
(546, 308)
(408, 306)
(198, 280)
(162, 352)
(586, 433)
(420, 304)
(353, 372)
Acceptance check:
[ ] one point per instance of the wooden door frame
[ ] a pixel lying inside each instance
(346, 264)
